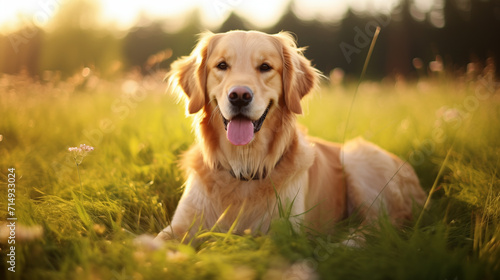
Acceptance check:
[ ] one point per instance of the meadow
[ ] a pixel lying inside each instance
(95, 220)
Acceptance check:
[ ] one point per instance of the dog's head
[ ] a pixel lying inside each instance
(246, 74)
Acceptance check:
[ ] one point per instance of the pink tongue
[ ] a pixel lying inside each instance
(240, 131)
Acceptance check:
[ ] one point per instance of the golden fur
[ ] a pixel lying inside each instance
(304, 172)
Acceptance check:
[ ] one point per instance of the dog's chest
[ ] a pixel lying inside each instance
(248, 204)
(251, 204)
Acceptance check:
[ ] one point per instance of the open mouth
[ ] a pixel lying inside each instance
(241, 130)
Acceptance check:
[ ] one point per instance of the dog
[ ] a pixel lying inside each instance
(244, 89)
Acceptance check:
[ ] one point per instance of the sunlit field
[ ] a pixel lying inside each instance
(94, 219)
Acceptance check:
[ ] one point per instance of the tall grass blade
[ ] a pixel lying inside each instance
(433, 189)
(80, 209)
(221, 217)
(233, 226)
(361, 77)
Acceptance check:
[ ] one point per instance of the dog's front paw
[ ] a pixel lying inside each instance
(354, 240)
(146, 241)
(165, 234)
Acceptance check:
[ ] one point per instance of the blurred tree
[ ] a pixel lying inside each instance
(76, 40)
(234, 22)
(143, 41)
(472, 30)
(20, 51)
(319, 39)
(458, 30)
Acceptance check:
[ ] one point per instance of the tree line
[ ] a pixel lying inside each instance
(469, 33)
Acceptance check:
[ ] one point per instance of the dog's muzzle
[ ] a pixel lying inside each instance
(241, 130)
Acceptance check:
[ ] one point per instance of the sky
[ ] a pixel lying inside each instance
(122, 14)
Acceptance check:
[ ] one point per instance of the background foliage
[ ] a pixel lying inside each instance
(75, 40)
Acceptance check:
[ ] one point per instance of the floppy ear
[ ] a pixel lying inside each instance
(299, 77)
(188, 74)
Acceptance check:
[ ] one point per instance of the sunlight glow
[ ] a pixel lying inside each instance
(373, 6)
(423, 5)
(334, 11)
(321, 9)
(261, 13)
(124, 14)
(120, 13)
(14, 13)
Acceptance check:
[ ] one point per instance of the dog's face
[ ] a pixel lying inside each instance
(246, 75)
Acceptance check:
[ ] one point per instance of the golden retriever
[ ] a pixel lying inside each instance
(245, 88)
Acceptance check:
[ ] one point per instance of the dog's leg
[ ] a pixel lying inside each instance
(379, 181)
(188, 215)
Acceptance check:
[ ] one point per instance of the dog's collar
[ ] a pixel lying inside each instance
(256, 176)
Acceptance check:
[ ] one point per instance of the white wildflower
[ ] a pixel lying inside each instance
(79, 153)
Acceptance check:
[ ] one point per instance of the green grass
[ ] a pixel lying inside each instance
(131, 185)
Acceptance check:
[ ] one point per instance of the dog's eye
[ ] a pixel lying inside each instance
(222, 66)
(264, 67)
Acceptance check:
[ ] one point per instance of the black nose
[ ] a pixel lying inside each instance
(240, 96)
